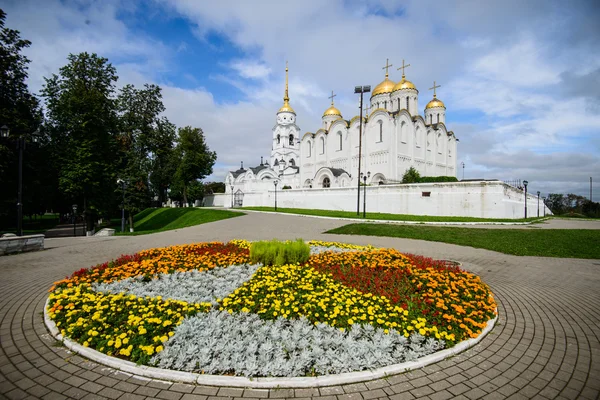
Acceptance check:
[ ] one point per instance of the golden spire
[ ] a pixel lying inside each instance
(387, 65)
(285, 96)
(403, 67)
(433, 88)
(286, 99)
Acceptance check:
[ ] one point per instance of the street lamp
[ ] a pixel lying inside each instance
(275, 183)
(365, 192)
(544, 201)
(122, 183)
(538, 204)
(5, 132)
(231, 195)
(74, 219)
(525, 186)
(361, 90)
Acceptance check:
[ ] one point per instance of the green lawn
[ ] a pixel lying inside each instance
(154, 220)
(567, 243)
(383, 216)
(35, 225)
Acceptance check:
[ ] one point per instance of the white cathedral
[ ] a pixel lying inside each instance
(394, 138)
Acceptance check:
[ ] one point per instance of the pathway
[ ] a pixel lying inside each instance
(545, 344)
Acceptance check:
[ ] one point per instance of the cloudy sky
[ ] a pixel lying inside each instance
(520, 78)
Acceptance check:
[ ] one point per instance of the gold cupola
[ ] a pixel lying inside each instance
(404, 83)
(387, 86)
(286, 99)
(332, 111)
(435, 102)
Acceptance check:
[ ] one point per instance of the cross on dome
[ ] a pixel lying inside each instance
(332, 96)
(403, 67)
(387, 65)
(433, 88)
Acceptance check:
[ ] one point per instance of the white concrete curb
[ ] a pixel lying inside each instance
(389, 221)
(263, 383)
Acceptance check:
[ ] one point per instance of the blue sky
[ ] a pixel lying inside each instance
(520, 79)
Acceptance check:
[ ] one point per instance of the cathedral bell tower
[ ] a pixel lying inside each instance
(286, 134)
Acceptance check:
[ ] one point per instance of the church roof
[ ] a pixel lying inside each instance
(435, 102)
(238, 172)
(337, 171)
(404, 84)
(387, 86)
(286, 99)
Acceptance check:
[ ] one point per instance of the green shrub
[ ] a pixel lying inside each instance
(286, 187)
(275, 252)
(411, 176)
(432, 179)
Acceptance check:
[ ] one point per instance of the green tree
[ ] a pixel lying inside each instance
(20, 111)
(82, 124)
(411, 176)
(139, 111)
(194, 158)
(163, 162)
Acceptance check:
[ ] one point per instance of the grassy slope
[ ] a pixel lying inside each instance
(165, 219)
(568, 243)
(383, 216)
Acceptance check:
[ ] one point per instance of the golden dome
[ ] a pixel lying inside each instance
(435, 102)
(332, 111)
(386, 86)
(286, 107)
(404, 84)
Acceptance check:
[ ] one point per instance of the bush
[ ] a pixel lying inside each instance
(286, 187)
(432, 179)
(411, 176)
(275, 252)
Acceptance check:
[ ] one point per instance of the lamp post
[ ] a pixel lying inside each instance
(231, 195)
(364, 176)
(544, 200)
(122, 183)
(538, 214)
(74, 219)
(5, 132)
(361, 90)
(525, 186)
(463, 168)
(275, 183)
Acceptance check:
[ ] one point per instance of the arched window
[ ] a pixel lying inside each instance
(292, 162)
(309, 149)
(380, 130)
(326, 182)
(417, 138)
(406, 103)
(339, 134)
(438, 118)
(403, 130)
(278, 138)
(430, 119)
(322, 145)
(291, 140)
(385, 104)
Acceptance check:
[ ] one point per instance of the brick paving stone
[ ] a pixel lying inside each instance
(441, 395)
(330, 390)
(256, 393)
(373, 394)
(147, 391)
(75, 393)
(350, 396)
(168, 395)
(279, 393)
(191, 396)
(132, 396)
(230, 392)
(206, 390)
(110, 393)
(422, 391)
(182, 387)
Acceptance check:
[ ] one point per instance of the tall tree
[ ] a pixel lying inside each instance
(139, 111)
(194, 158)
(163, 160)
(20, 111)
(81, 121)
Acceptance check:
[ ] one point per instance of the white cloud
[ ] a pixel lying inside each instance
(251, 69)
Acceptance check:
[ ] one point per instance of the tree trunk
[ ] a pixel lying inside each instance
(185, 202)
(130, 222)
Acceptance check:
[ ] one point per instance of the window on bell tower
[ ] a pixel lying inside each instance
(278, 139)
(291, 140)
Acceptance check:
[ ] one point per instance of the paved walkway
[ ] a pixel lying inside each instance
(545, 344)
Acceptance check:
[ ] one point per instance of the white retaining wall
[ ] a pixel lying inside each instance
(481, 199)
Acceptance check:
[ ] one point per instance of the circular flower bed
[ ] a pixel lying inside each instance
(204, 308)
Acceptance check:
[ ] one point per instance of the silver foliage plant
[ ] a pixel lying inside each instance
(243, 344)
(191, 286)
(321, 249)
